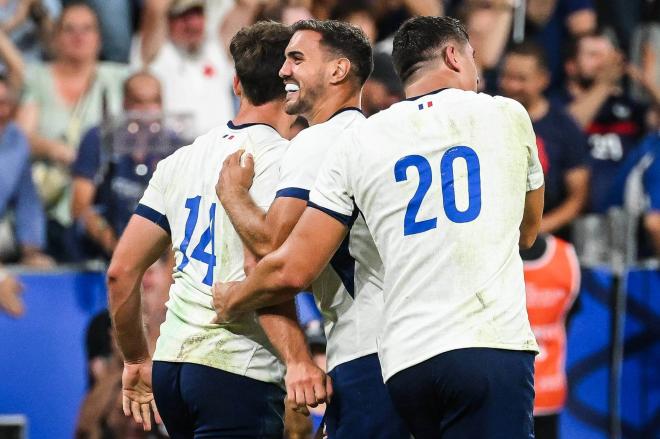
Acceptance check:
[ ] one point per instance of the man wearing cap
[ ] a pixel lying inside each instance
(190, 62)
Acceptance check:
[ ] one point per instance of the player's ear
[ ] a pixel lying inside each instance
(342, 68)
(452, 57)
(236, 85)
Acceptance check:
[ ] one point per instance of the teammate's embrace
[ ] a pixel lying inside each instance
(212, 380)
(327, 63)
(450, 186)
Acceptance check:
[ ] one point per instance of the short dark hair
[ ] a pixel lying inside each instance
(532, 49)
(345, 40)
(419, 39)
(258, 53)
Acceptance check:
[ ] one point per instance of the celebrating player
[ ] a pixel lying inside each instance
(212, 380)
(450, 186)
(327, 63)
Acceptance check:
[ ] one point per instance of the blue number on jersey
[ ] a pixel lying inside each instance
(474, 184)
(410, 224)
(199, 252)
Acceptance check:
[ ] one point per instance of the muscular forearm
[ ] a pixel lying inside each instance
(280, 324)
(250, 222)
(126, 312)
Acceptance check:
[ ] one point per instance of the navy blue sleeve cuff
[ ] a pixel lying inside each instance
(346, 220)
(293, 192)
(153, 216)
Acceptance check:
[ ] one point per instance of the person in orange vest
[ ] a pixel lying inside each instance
(552, 282)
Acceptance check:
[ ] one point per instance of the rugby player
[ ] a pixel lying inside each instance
(450, 185)
(212, 380)
(327, 63)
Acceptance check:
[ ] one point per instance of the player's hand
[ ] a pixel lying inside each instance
(137, 394)
(306, 385)
(235, 176)
(221, 294)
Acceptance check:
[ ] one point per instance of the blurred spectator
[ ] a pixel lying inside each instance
(359, 14)
(562, 145)
(116, 19)
(12, 63)
(552, 283)
(10, 294)
(192, 66)
(489, 25)
(29, 24)
(108, 181)
(390, 14)
(21, 214)
(595, 98)
(62, 100)
(553, 22)
(637, 189)
(383, 88)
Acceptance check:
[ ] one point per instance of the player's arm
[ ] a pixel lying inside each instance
(280, 275)
(531, 222)
(577, 191)
(139, 247)
(261, 232)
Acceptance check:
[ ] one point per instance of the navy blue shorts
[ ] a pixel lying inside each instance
(361, 406)
(204, 402)
(478, 393)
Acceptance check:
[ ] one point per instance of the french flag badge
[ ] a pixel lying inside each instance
(429, 104)
(228, 137)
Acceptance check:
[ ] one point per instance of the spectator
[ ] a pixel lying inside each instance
(613, 122)
(29, 24)
(12, 63)
(116, 19)
(62, 100)
(562, 145)
(552, 22)
(552, 283)
(392, 13)
(191, 65)
(637, 189)
(107, 184)
(10, 295)
(359, 14)
(383, 88)
(489, 25)
(18, 195)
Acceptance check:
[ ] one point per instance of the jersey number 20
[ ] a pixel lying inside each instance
(199, 252)
(410, 224)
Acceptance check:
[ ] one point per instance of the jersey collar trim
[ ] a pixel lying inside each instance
(233, 126)
(414, 98)
(341, 110)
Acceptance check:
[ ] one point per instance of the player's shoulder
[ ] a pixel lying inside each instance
(509, 105)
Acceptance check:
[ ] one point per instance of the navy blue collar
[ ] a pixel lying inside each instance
(414, 98)
(341, 110)
(232, 126)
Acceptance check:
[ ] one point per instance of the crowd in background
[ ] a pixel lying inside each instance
(93, 93)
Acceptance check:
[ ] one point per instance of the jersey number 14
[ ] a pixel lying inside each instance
(199, 253)
(410, 224)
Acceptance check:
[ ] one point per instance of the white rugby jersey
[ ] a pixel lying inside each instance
(349, 291)
(181, 198)
(441, 180)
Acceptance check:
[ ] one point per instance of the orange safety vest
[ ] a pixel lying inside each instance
(552, 283)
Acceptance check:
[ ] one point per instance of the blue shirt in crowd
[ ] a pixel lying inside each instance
(612, 135)
(120, 179)
(17, 190)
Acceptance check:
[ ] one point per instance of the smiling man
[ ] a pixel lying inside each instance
(450, 185)
(327, 63)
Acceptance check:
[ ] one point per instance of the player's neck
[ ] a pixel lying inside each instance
(328, 105)
(425, 82)
(271, 113)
